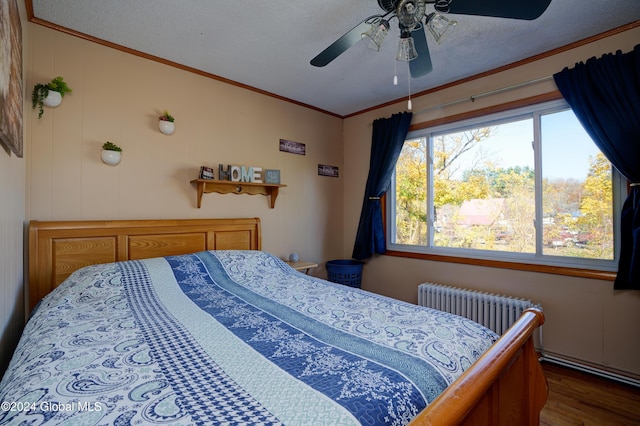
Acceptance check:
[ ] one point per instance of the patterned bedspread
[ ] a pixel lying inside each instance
(229, 337)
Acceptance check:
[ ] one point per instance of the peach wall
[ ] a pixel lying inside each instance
(12, 217)
(586, 319)
(118, 97)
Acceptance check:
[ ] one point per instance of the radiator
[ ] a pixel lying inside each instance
(494, 311)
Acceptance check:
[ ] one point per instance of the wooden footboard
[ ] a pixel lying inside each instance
(506, 386)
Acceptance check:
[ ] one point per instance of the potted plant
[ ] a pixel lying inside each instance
(49, 94)
(166, 123)
(111, 153)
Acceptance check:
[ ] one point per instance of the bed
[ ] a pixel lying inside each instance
(190, 322)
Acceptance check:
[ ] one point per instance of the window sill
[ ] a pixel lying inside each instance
(547, 269)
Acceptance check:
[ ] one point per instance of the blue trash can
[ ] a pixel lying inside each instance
(345, 271)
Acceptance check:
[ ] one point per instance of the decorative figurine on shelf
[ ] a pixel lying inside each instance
(166, 123)
(293, 257)
(206, 173)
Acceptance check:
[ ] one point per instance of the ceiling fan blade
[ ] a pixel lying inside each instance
(516, 9)
(421, 65)
(341, 45)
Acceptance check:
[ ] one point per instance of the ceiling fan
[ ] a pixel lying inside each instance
(412, 19)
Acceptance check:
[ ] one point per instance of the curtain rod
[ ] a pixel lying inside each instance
(489, 93)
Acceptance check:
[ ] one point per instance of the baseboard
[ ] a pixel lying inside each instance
(598, 371)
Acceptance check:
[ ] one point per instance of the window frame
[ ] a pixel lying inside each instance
(536, 262)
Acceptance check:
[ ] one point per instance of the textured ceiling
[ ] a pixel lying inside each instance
(268, 44)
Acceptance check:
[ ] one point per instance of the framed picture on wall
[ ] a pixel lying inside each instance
(293, 147)
(272, 176)
(206, 172)
(11, 77)
(326, 170)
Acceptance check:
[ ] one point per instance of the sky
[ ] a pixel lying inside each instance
(566, 147)
(567, 152)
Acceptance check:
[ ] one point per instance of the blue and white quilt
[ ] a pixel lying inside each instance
(233, 338)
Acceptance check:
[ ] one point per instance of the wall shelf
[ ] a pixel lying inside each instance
(206, 186)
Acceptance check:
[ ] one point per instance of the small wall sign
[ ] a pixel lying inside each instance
(235, 173)
(240, 173)
(272, 176)
(293, 147)
(325, 170)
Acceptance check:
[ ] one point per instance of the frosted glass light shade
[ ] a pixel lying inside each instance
(376, 34)
(438, 25)
(406, 50)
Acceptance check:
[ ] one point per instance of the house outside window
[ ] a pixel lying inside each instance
(525, 185)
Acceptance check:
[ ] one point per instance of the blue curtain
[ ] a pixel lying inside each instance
(604, 94)
(386, 143)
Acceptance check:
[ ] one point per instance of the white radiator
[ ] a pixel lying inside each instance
(494, 311)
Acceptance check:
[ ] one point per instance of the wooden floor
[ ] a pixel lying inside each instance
(577, 398)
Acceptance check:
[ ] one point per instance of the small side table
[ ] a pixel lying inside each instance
(302, 266)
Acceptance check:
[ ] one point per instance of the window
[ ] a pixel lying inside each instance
(526, 185)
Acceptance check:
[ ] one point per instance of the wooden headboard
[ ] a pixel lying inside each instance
(56, 249)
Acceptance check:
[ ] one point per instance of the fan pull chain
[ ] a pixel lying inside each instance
(395, 73)
(409, 105)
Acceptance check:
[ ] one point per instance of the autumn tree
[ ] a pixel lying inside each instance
(517, 186)
(411, 193)
(597, 218)
(411, 180)
(447, 150)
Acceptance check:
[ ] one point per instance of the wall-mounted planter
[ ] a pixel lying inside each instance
(53, 99)
(111, 158)
(111, 153)
(49, 94)
(167, 127)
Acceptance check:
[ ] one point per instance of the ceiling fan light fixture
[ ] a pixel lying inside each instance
(376, 34)
(406, 49)
(410, 12)
(438, 25)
